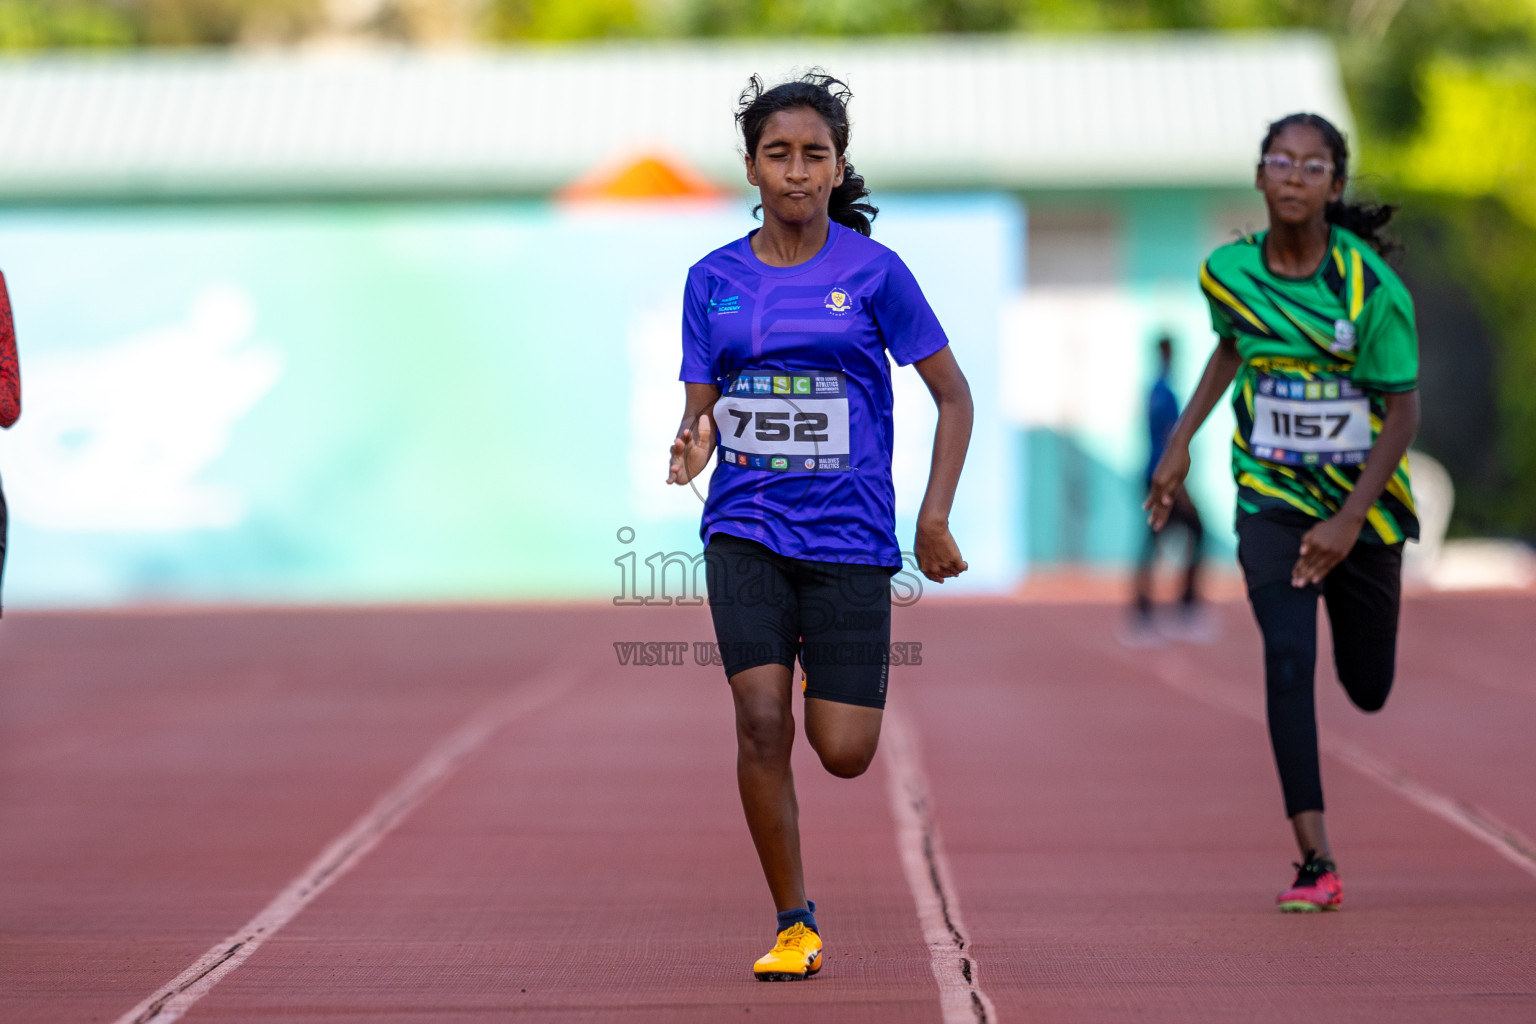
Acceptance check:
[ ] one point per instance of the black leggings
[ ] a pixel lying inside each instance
(1362, 595)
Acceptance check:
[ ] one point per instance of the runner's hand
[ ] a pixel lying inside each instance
(938, 556)
(691, 451)
(1167, 478)
(1323, 547)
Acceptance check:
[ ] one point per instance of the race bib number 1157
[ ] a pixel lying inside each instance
(784, 421)
(1310, 422)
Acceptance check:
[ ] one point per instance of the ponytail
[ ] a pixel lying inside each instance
(844, 206)
(1365, 220)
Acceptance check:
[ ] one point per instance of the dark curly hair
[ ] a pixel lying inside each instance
(1361, 218)
(815, 90)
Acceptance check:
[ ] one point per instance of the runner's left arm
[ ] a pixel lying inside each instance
(938, 556)
(1326, 544)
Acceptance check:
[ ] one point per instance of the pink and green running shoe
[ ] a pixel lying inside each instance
(1317, 888)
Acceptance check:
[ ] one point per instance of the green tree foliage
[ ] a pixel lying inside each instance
(41, 24)
(1469, 264)
(575, 19)
(97, 24)
(223, 22)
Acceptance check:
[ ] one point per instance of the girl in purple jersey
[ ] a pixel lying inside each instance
(785, 340)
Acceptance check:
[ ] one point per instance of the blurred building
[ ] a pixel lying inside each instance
(1125, 160)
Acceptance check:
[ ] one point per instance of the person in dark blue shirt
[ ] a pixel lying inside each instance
(1162, 414)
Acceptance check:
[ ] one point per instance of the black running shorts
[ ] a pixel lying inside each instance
(835, 617)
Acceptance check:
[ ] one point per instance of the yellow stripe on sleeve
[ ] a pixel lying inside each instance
(1219, 291)
(1356, 283)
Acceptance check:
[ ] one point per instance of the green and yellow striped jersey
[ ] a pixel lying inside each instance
(1319, 353)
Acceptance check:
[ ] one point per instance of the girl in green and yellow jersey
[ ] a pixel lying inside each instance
(1318, 334)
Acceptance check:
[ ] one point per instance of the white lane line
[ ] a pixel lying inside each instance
(1505, 840)
(961, 998)
(176, 997)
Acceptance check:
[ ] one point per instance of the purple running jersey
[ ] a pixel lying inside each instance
(803, 424)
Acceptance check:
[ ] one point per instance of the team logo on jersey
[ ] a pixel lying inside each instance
(839, 301)
(1343, 336)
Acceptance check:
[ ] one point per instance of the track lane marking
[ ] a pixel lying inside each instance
(954, 965)
(175, 998)
(1505, 840)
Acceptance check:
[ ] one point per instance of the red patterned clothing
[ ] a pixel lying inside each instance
(10, 372)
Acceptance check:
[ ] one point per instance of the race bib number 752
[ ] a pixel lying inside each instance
(784, 421)
(1309, 422)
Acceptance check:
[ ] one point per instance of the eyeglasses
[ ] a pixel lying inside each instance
(1278, 167)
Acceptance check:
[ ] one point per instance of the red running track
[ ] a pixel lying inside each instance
(1111, 828)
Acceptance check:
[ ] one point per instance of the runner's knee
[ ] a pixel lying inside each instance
(1289, 659)
(765, 729)
(1287, 619)
(845, 760)
(1368, 683)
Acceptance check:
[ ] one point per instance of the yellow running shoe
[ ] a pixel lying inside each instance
(796, 956)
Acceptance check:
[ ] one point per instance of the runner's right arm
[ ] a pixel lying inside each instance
(1173, 467)
(695, 441)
